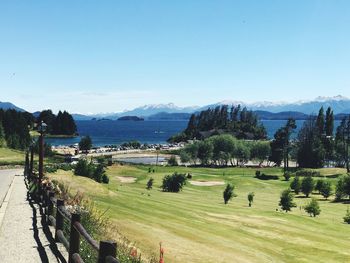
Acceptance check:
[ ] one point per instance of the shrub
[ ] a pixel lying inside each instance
(83, 168)
(286, 200)
(347, 216)
(262, 176)
(105, 179)
(172, 161)
(287, 176)
(98, 173)
(307, 185)
(306, 173)
(149, 184)
(296, 185)
(173, 183)
(326, 189)
(189, 176)
(319, 185)
(312, 208)
(342, 188)
(86, 169)
(228, 193)
(251, 198)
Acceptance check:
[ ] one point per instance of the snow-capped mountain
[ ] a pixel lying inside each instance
(151, 109)
(339, 104)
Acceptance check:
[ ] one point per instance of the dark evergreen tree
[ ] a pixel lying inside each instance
(311, 152)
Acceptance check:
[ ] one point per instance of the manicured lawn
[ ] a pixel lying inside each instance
(10, 157)
(195, 225)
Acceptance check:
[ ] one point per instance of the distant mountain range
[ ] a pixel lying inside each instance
(266, 110)
(9, 105)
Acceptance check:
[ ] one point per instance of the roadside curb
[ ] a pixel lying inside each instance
(6, 201)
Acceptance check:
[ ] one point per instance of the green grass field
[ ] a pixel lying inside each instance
(11, 157)
(195, 225)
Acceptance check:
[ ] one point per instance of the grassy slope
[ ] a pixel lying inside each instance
(195, 225)
(10, 156)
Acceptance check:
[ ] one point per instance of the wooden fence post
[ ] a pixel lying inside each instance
(74, 239)
(107, 248)
(50, 206)
(59, 219)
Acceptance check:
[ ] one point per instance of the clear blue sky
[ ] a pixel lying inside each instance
(106, 56)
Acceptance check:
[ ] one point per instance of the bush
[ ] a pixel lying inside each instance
(306, 173)
(251, 198)
(286, 200)
(296, 185)
(326, 189)
(149, 184)
(173, 183)
(262, 176)
(105, 179)
(86, 169)
(172, 161)
(312, 208)
(347, 216)
(287, 176)
(342, 188)
(319, 185)
(189, 176)
(307, 185)
(228, 193)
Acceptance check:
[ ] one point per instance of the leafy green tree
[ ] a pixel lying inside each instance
(223, 145)
(172, 161)
(307, 185)
(173, 183)
(241, 153)
(149, 184)
(228, 193)
(296, 185)
(205, 151)
(192, 152)
(312, 208)
(286, 200)
(184, 157)
(250, 198)
(260, 151)
(85, 143)
(326, 189)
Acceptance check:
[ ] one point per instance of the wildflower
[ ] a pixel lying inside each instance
(133, 252)
(161, 253)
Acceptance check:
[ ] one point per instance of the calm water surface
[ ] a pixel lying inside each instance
(117, 132)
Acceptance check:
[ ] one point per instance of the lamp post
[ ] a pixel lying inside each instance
(41, 129)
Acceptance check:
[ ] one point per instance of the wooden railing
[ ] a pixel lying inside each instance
(56, 215)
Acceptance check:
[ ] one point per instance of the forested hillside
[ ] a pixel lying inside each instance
(240, 122)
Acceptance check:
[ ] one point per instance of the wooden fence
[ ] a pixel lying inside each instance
(56, 215)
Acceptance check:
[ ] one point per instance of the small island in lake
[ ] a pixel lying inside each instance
(130, 118)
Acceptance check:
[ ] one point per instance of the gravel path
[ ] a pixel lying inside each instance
(24, 237)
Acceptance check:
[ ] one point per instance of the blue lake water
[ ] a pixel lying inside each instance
(117, 132)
